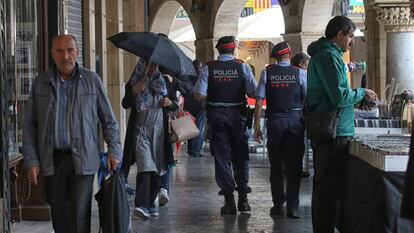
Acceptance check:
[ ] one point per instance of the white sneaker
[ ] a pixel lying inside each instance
(163, 196)
(141, 212)
(153, 212)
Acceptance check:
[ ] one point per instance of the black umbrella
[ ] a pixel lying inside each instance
(156, 49)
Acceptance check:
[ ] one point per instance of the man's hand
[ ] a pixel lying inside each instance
(112, 162)
(370, 95)
(32, 174)
(165, 102)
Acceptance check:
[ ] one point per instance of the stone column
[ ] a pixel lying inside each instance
(133, 22)
(115, 61)
(205, 50)
(300, 41)
(376, 40)
(400, 45)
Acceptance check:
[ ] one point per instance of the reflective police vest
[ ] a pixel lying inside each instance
(283, 91)
(226, 82)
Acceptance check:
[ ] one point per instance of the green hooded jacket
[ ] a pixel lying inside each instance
(328, 86)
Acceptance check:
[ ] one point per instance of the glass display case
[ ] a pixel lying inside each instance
(22, 64)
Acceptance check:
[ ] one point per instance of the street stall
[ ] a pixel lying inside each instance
(374, 184)
(374, 181)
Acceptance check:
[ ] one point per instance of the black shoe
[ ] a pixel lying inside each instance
(304, 175)
(229, 205)
(276, 211)
(293, 214)
(192, 154)
(243, 204)
(200, 155)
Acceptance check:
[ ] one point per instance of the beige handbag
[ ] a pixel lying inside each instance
(182, 127)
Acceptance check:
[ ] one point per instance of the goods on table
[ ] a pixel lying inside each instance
(387, 152)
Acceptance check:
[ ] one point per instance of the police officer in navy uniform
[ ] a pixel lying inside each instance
(284, 87)
(225, 83)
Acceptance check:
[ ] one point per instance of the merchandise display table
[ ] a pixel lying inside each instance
(374, 184)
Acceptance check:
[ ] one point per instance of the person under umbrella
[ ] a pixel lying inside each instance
(158, 49)
(145, 95)
(163, 195)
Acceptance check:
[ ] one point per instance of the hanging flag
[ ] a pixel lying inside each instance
(356, 7)
(260, 5)
(249, 4)
(248, 8)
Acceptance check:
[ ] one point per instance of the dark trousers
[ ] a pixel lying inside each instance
(285, 133)
(328, 182)
(69, 196)
(229, 148)
(148, 187)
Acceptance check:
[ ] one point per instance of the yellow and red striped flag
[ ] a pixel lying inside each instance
(260, 5)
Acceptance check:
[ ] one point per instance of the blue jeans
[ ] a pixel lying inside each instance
(166, 179)
(195, 144)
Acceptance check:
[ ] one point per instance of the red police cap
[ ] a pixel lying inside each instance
(280, 49)
(226, 42)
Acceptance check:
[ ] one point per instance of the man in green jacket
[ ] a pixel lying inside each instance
(328, 89)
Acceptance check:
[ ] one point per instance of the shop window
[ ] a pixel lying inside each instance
(22, 63)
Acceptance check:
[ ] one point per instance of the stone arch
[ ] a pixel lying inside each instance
(163, 18)
(227, 18)
(316, 14)
(292, 15)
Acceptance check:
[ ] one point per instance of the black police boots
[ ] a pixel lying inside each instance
(243, 204)
(229, 205)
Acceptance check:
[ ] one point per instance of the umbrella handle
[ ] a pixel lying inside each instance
(146, 70)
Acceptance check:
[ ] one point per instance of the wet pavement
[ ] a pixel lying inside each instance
(194, 205)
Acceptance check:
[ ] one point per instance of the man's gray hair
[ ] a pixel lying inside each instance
(62, 35)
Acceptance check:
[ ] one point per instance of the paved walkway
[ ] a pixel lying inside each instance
(195, 206)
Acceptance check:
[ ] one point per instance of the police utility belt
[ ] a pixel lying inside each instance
(242, 108)
(239, 106)
(286, 110)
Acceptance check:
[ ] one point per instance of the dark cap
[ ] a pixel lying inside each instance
(226, 42)
(280, 49)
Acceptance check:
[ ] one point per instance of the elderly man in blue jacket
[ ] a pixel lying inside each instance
(61, 138)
